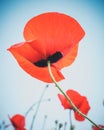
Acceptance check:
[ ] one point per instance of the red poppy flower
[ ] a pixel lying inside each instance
(79, 101)
(95, 128)
(18, 122)
(50, 36)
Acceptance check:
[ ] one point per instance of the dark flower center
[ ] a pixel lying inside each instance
(53, 58)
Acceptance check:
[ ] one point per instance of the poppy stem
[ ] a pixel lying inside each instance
(70, 119)
(65, 124)
(56, 124)
(68, 98)
(36, 112)
(27, 112)
(44, 122)
(60, 126)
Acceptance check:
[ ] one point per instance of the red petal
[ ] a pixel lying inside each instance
(79, 101)
(18, 121)
(25, 55)
(56, 32)
(30, 50)
(95, 128)
(64, 102)
(20, 129)
(75, 97)
(84, 108)
(68, 58)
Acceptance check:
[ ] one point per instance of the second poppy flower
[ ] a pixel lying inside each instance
(79, 101)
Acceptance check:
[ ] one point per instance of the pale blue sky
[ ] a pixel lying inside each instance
(18, 90)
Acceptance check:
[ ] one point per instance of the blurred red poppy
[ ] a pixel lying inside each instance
(95, 128)
(18, 122)
(79, 101)
(50, 36)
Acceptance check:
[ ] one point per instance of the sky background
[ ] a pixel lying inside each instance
(18, 90)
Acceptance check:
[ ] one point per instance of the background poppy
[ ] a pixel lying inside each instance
(95, 128)
(18, 122)
(79, 101)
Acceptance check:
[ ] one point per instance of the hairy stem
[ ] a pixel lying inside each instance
(31, 108)
(34, 116)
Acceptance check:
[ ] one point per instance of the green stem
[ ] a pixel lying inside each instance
(70, 119)
(68, 98)
(44, 122)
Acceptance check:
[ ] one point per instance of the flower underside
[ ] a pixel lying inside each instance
(50, 37)
(53, 58)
